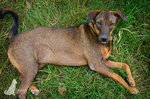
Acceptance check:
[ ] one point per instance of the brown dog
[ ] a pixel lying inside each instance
(87, 44)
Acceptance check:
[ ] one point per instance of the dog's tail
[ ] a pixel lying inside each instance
(14, 29)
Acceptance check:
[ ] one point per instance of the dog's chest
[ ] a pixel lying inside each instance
(105, 51)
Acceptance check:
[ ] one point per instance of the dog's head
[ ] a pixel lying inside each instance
(103, 23)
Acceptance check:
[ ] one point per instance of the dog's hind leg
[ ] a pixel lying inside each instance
(27, 66)
(34, 90)
(124, 67)
(27, 78)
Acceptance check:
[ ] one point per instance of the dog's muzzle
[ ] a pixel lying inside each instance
(104, 39)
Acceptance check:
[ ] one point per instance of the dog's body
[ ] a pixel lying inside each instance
(57, 52)
(87, 44)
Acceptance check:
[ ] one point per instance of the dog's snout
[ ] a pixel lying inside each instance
(103, 39)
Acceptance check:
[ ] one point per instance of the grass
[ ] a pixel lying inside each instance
(132, 48)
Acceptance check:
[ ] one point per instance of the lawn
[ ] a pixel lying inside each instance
(131, 44)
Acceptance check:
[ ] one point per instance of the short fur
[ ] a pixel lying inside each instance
(86, 44)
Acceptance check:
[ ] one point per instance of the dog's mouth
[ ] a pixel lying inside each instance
(104, 43)
(103, 39)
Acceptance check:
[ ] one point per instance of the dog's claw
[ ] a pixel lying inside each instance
(133, 90)
(132, 84)
(19, 96)
(35, 92)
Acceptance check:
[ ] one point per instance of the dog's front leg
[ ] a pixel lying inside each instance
(102, 69)
(124, 67)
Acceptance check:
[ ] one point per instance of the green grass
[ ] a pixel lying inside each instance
(81, 82)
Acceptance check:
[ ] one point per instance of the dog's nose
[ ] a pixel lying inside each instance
(103, 39)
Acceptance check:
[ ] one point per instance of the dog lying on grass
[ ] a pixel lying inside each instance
(87, 44)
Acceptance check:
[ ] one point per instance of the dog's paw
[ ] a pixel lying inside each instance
(133, 90)
(36, 92)
(20, 95)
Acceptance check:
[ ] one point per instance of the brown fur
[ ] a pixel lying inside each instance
(75, 46)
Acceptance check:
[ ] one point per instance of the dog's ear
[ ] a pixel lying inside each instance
(120, 15)
(92, 15)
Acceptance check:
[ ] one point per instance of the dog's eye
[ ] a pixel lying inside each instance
(99, 23)
(111, 24)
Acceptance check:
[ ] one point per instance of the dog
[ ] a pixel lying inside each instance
(87, 44)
